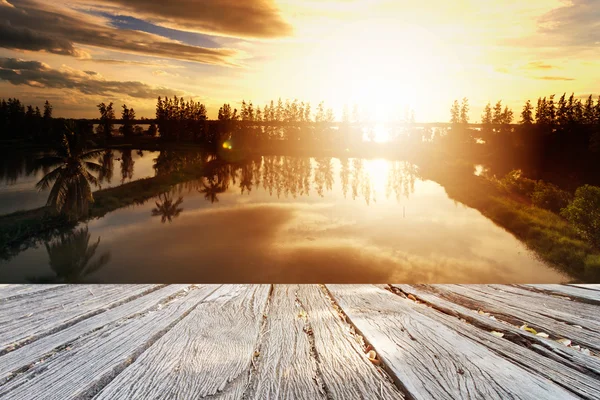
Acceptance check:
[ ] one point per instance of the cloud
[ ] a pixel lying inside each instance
(40, 75)
(538, 65)
(575, 24)
(26, 39)
(33, 26)
(244, 19)
(554, 78)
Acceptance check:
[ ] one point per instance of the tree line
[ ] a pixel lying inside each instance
(20, 121)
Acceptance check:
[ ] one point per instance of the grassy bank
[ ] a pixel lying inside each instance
(23, 229)
(550, 236)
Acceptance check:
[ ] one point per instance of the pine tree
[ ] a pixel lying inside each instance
(464, 111)
(486, 117)
(455, 113)
(507, 116)
(47, 110)
(527, 114)
(562, 111)
(551, 110)
(588, 111)
(497, 117)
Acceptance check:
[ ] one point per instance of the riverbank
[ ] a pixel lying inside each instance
(550, 236)
(22, 229)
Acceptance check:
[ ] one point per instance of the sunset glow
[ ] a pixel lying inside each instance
(382, 56)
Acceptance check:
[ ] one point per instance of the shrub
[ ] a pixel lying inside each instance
(515, 182)
(584, 213)
(550, 197)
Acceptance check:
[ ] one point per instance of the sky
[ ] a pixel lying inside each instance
(385, 56)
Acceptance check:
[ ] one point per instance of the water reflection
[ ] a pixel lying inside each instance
(106, 160)
(166, 208)
(292, 177)
(126, 165)
(20, 171)
(71, 258)
(298, 219)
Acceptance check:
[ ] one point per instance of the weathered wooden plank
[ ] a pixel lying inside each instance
(574, 292)
(517, 345)
(29, 318)
(210, 353)
(589, 286)
(88, 363)
(10, 292)
(27, 355)
(430, 359)
(512, 309)
(308, 352)
(558, 308)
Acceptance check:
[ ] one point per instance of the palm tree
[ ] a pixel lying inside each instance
(70, 257)
(70, 175)
(216, 184)
(168, 209)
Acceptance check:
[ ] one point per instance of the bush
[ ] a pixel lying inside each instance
(584, 213)
(515, 182)
(550, 197)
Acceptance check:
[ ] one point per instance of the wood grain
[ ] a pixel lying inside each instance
(90, 362)
(14, 291)
(308, 352)
(516, 310)
(208, 354)
(517, 345)
(431, 359)
(33, 352)
(576, 292)
(29, 318)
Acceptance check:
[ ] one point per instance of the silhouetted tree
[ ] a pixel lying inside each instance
(107, 114)
(527, 114)
(70, 179)
(127, 115)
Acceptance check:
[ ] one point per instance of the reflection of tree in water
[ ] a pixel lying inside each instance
(269, 174)
(11, 165)
(166, 208)
(256, 166)
(344, 174)
(70, 257)
(246, 178)
(286, 175)
(214, 185)
(169, 161)
(361, 181)
(126, 165)
(293, 176)
(401, 179)
(323, 175)
(106, 161)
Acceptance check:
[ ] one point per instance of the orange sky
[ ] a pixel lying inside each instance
(384, 56)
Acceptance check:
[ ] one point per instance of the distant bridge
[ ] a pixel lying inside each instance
(301, 124)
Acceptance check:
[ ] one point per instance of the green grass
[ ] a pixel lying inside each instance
(549, 235)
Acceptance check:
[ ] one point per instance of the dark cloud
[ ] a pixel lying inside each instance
(37, 74)
(554, 78)
(26, 39)
(247, 18)
(32, 26)
(575, 24)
